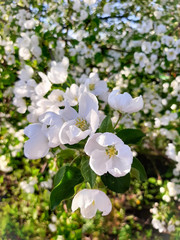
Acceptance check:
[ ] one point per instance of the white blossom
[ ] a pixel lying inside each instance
(37, 145)
(91, 200)
(108, 153)
(79, 125)
(58, 72)
(124, 102)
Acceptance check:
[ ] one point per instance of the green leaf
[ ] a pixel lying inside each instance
(65, 181)
(59, 175)
(116, 184)
(98, 57)
(130, 136)
(88, 174)
(106, 125)
(79, 145)
(66, 154)
(138, 170)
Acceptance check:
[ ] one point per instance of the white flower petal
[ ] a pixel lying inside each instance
(91, 144)
(53, 136)
(89, 212)
(98, 160)
(71, 134)
(63, 134)
(51, 118)
(103, 203)
(117, 167)
(87, 102)
(36, 147)
(32, 130)
(93, 119)
(107, 139)
(125, 153)
(82, 199)
(89, 200)
(68, 113)
(135, 105)
(124, 102)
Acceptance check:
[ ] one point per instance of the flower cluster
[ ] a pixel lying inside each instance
(107, 152)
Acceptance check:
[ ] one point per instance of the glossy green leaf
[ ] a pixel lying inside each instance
(88, 174)
(65, 181)
(66, 154)
(116, 184)
(79, 145)
(106, 125)
(130, 136)
(138, 170)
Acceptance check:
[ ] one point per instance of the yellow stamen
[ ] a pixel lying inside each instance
(91, 87)
(82, 124)
(111, 151)
(60, 98)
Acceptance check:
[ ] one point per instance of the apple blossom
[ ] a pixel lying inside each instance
(43, 87)
(91, 200)
(108, 153)
(58, 71)
(171, 54)
(124, 102)
(83, 123)
(53, 123)
(37, 145)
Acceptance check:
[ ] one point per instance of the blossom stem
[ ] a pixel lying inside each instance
(74, 160)
(120, 115)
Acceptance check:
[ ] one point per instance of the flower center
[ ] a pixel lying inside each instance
(76, 99)
(60, 98)
(82, 124)
(91, 87)
(111, 151)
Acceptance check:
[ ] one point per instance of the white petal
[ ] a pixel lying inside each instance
(117, 167)
(119, 101)
(91, 144)
(87, 101)
(69, 113)
(125, 153)
(51, 118)
(98, 160)
(89, 200)
(32, 129)
(42, 88)
(107, 139)
(112, 99)
(43, 76)
(74, 89)
(123, 100)
(93, 119)
(70, 134)
(53, 136)
(63, 136)
(136, 105)
(101, 88)
(103, 203)
(82, 199)
(36, 147)
(76, 135)
(89, 212)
